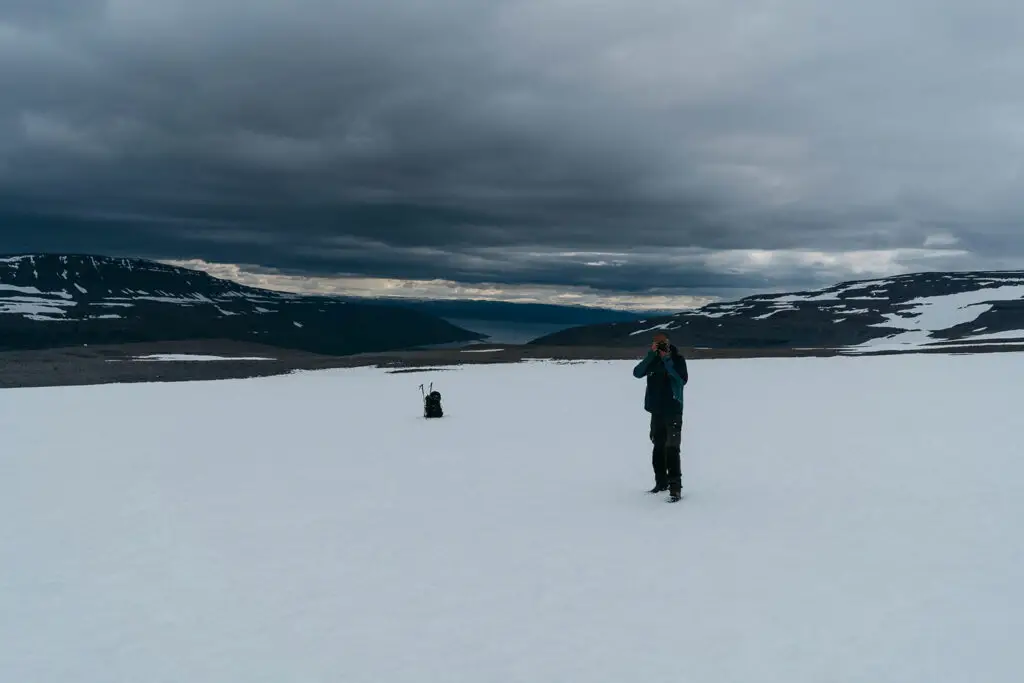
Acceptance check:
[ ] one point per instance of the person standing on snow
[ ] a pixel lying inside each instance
(665, 370)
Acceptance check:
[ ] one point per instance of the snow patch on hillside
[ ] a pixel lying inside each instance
(833, 293)
(23, 290)
(671, 325)
(921, 317)
(34, 308)
(1006, 335)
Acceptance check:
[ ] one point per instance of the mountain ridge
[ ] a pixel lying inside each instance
(907, 311)
(49, 300)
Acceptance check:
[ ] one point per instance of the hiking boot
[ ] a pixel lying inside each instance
(658, 488)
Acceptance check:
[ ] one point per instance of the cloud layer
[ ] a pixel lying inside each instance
(635, 147)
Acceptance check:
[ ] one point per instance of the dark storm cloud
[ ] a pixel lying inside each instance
(47, 13)
(482, 142)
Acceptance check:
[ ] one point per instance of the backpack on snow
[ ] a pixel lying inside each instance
(431, 402)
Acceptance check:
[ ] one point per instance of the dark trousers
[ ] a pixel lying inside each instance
(666, 435)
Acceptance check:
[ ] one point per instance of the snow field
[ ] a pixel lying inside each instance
(845, 519)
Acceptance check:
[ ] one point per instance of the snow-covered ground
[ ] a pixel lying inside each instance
(851, 519)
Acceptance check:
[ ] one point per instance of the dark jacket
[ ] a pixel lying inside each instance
(665, 381)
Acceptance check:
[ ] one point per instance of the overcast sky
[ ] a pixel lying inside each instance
(622, 149)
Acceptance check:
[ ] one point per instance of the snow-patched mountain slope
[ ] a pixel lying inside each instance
(861, 526)
(65, 300)
(907, 311)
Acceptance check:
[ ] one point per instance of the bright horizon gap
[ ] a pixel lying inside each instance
(440, 289)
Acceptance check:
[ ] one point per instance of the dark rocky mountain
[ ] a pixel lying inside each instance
(905, 312)
(52, 300)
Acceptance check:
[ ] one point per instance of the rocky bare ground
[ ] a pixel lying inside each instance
(79, 365)
(83, 365)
